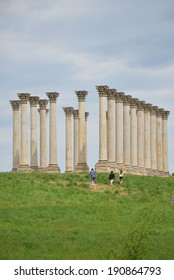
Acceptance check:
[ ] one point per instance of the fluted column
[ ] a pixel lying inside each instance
(68, 113)
(43, 134)
(133, 135)
(53, 166)
(76, 137)
(24, 166)
(165, 142)
(101, 166)
(153, 140)
(111, 138)
(140, 134)
(86, 124)
(159, 142)
(147, 152)
(126, 132)
(119, 129)
(15, 104)
(82, 164)
(33, 133)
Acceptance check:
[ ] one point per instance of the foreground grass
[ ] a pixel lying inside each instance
(58, 216)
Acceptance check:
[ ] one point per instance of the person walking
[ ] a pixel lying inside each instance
(120, 176)
(92, 174)
(111, 177)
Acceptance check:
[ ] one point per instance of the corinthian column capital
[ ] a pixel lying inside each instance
(68, 111)
(76, 114)
(15, 104)
(126, 100)
(140, 105)
(23, 97)
(33, 101)
(119, 97)
(81, 94)
(102, 90)
(43, 103)
(52, 96)
(165, 115)
(153, 110)
(111, 94)
(86, 115)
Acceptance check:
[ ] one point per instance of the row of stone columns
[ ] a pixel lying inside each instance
(20, 133)
(80, 135)
(132, 134)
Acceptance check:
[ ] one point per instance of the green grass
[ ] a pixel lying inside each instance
(58, 216)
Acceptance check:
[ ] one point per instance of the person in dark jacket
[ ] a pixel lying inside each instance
(92, 174)
(111, 177)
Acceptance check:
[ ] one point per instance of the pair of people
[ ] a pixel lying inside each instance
(112, 177)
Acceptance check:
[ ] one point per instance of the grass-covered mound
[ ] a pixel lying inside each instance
(59, 216)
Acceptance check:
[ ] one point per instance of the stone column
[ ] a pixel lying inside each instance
(76, 136)
(153, 140)
(126, 132)
(159, 142)
(133, 135)
(140, 139)
(111, 125)
(68, 113)
(24, 166)
(53, 166)
(16, 154)
(101, 166)
(43, 134)
(147, 152)
(165, 142)
(33, 133)
(82, 164)
(119, 129)
(86, 118)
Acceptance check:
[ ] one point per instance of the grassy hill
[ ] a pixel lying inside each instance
(59, 216)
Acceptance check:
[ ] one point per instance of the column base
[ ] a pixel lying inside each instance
(148, 171)
(68, 171)
(24, 168)
(81, 167)
(119, 166)
(141, 171)
(112, 166)
(14, 169)
(127, 168)
(42, 169)
(134, 170)
(53, 168)
(101, 166)
(154, 172)
(34, 168)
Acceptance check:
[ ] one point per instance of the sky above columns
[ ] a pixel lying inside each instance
(65, 46)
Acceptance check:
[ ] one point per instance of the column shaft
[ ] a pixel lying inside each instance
(133, 135)
(119, 129)
(33, 133)
(165, 142)
(68, 112)
(53, 167)
(82, 164)
(159, 142)
(126, 132)
(111, 138)
(147, 154)
(43, 134)
(16, 154)
(101, 166)
(140, 134)
(153, 134)
(24, 166)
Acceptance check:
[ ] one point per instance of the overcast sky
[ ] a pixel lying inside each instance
(69, 45)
